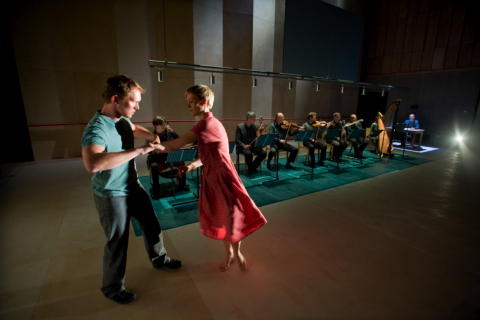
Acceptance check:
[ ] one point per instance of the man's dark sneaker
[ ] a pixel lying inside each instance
(155, 193)
(165, 262)
(289, 166)
(123, 297)
(322, 164)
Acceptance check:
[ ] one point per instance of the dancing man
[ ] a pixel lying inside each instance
(108, 153)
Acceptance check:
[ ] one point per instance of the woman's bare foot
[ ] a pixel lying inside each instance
(242, 262)
(227, 263)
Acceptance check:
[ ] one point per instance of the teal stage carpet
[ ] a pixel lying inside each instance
(265, 190)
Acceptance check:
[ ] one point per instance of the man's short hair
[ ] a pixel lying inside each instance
(250, 114)
(311, 115)
(121, 86)
(159, 121)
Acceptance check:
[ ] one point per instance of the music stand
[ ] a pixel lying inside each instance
(303, 136)
(331, 134)
(398, 128)
(267, 140)
(231, 146)
(356, 133)
(183, 155)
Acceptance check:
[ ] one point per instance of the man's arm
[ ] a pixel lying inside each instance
(95, 159)
(143, 133)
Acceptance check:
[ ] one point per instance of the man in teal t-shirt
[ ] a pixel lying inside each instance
(108, 152)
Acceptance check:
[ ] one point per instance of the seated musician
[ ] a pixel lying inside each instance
(317, 141)
(356, 136)
(282, 129)
(245, 137)
(410, 123)
(336, 136)
(156, 160)
(374, 132)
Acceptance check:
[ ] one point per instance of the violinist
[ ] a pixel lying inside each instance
(356, 135)
(282, 129)
(317, 141)
(245, 137)
(336, 136)
(156, 160)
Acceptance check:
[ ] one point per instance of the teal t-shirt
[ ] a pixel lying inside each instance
(115, 136)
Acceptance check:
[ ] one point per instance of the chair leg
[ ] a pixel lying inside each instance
(174, 185)
(238, 162)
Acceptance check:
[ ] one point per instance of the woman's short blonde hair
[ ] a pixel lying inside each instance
(201, 92)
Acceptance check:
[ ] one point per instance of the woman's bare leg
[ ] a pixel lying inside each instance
(229, 257)
(238, 254)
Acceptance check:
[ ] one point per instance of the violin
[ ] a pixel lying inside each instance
(319, 124)
(289, 125)
(261, 127)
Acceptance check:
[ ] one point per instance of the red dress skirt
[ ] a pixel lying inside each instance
(226, 211)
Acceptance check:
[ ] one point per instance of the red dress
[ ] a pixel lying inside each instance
(226, 210)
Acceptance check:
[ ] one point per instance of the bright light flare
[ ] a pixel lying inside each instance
(459, 138)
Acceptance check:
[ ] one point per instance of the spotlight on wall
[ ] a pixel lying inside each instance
(342, 89)
(254, 82)
(290, 85)
(212, 79)
(317, 87)
(459, 138)
(363, 91)
(383, 92)
(160, 76)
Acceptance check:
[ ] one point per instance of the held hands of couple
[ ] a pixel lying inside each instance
(151, 146)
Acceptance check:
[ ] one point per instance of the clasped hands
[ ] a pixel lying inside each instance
(153, 145)
(156, 145)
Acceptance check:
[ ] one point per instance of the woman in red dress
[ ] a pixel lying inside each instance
(226, 211)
